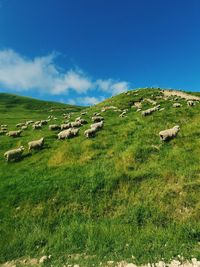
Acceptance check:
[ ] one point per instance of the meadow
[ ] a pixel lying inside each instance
(122, 195)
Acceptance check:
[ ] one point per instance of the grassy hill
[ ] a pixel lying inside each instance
(122, 195)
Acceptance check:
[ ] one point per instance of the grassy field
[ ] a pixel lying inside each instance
(122, 195)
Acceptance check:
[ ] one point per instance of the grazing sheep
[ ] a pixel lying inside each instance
(37, 144)
(169, 133)
(150, 101)
(65, 126)
(29, 122)
(74, 132)
(108, 108)
(150, 110)
(37, 126)
(24, 127)
(137, 105)
(123, 114)
(76, 124)
(54, 127)
(68, 133)
(20, 124)
(176, 105)
(44, 122)
(97, 125)
(190, 103)
(4, 125)
(14, 133)
(37, 122)
(4, 128)
(83, 113)
(14, 154)
(83, 121)
(78, 119)
(97, 118)
(90, 132)
(96, 114)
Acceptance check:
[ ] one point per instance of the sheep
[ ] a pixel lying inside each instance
(14, 154)
(169, 133)
(150, 110)
(83, 113)
(54, 127)
(108, 108)
(24, 127)
(65, 126)
(4, 126)
(44, 122)
(97, 125)
(37, 122)
(137, 105)
(78, 119)
(29, 122)
(37, 126)
(20, 124)
(4, 129)
(37, 144)
(154, 103)
(97, 118)
(123, 114)
(76, 124)
(190, 103)
(14, 133)
(74, 132)
(83, 121)
(176, 105)
(71, 132)
(90, 132)
(96, 114)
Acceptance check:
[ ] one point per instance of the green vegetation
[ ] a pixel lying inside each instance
(120, 195)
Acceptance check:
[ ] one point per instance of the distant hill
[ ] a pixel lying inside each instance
(11, 101)
(123, 195)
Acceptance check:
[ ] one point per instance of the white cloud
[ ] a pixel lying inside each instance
(86, 101)
(112, 87)
(19, 73)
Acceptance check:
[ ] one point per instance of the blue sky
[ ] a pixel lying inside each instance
(81, 51)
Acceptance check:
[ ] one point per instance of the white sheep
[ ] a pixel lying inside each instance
(14, 133)
(176, 105)
(24, 127)
(68, 133)
(54, 127)
(37, 144)
(150, 110)
(97, 118)
(44, 122)
(190, 103)
(36, 126)
(65, 126)
(97, 125)
(29, 122)
(90, 132)
(76, 124)
(20, 124)
(169, 133)
(14, 154)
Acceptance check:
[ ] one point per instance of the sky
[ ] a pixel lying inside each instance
(83, 51)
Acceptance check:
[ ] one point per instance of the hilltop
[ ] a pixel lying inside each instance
(122, 195)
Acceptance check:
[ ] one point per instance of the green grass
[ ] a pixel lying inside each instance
(112, 197)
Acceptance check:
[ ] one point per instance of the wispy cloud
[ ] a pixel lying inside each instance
(19, 73)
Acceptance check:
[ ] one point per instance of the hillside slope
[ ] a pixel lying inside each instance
(122, 195)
